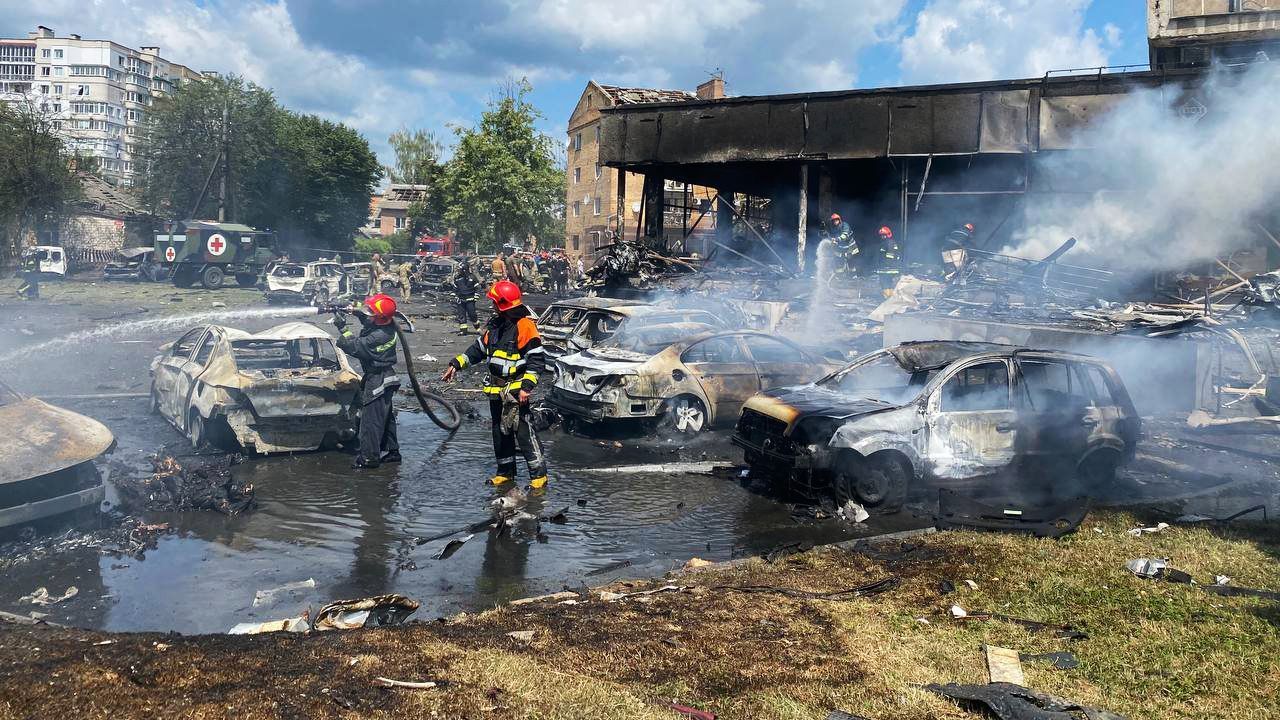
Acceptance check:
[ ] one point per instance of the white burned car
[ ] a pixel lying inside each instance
(281, 390)
(313, 283)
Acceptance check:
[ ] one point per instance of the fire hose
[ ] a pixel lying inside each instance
(452, 419)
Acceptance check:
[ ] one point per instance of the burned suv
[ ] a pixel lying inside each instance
(945, 413)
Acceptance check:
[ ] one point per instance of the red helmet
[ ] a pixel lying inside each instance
(382, 308)
(835, 217)
(886, 233)
(505, 295)
(968, 226)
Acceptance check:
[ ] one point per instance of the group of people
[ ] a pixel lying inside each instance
(884, 257)
(548, 270)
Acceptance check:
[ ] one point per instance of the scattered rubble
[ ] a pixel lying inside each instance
(197, 482)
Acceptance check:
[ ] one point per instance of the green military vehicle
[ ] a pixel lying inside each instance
(210, 251)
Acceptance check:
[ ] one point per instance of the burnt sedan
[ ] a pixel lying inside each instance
(947, 413)
(684, 377)
(285, 389)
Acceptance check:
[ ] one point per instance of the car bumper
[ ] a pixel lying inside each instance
(588, 407)
(287, 434)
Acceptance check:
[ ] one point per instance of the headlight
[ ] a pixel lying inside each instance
(815, 430)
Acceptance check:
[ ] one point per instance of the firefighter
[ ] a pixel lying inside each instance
(464, 292)
(375, 348)
(955, 249)
(29, 289)
(847, 249)
(890, 261)
(513, 350)
(405, 271)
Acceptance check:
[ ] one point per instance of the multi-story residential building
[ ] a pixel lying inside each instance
(591, 195)
(1195, 33)
(98, 92)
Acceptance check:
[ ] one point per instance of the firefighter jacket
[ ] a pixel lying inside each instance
(843, 237)
(512, 347)
(890, 256)
(375, 348)
(464, 286)
(958, 239)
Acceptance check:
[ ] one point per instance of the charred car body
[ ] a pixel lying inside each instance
(282, 390)
(313, 283)
(950, 413)
(136, 264)
(598, 324)
(686, 376)
(557, 322)
(46, 463)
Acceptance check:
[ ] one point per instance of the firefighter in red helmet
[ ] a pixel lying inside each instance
(512, 348)
(847, 250)
(375, 348)
(955, 249)
(889, 256)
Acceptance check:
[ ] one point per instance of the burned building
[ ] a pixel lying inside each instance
(1199, 33)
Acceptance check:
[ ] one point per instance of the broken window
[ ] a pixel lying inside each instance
(1098, 385)
(977, 388)
(185, 344)
(259, 354)
(206, 349)
(879, 378)
(715, 350)
(768, 350)
(1052, 385)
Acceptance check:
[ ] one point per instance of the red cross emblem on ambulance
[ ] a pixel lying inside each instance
(170, 253)
(216, 244)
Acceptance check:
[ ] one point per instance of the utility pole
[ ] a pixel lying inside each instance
(226, 167)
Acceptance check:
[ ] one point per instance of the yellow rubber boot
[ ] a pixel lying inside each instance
(539, 482)
(499, 479)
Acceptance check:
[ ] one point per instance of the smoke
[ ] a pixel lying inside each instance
(1195, 168)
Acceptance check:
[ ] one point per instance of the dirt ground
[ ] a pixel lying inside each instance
(1154, 649)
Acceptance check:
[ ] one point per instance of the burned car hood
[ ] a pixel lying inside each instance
(792, 403)
(46, 438)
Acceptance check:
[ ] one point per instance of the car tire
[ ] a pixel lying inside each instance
(212, 277)
(246, 280)
(877, 483)
(1097, 472)
(684, 415)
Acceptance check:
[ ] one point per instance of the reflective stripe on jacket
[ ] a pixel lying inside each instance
(513, 351)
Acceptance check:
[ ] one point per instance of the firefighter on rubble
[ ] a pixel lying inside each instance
(847, 249)
(512, 348)
(955, 249)
(375, 348)
(464, 285)
(889, 268)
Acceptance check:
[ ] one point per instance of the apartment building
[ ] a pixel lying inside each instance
(98, 92)
(591, 195)
(389, 211)
(1197, 33)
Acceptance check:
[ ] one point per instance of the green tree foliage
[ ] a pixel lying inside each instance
(307, 178)
(37, 183)
(369, 246)
(417, 157)
(503, 181)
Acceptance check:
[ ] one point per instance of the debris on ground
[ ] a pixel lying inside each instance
(1157, 569)
(852, 512)
(1008, 701)
(376, 611)
(697, 563)
(452, 547)
(609, 568)
(389, 683)
(609, 596)
(1139, 532)
(1003, 665)
(270, 597)
(41, 596)
(956, 511)
(298, 624)
(692, 712)
(524, 636)
(1061, 660)
(196, 482)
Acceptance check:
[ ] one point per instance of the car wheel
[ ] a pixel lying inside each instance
(684, 414)
(878, 483)
(211, 278)
(1097, 472)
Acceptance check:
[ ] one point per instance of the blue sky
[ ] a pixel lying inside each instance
(383, 64)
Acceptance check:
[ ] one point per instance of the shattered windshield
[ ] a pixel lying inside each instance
(284, 354)
(562, 315)
(296, 271)
(653, 340)
(879, 378)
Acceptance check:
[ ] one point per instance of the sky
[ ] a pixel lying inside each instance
(380, 65)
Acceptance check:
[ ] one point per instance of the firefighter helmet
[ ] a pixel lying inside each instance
(969, 227)
(505, 295)
(835, 218)
(885, 233)
(382, 308)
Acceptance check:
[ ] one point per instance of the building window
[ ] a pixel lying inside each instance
(577, 208)
(577, 175)
(597, 205)
(57, 89)
(82, 90)
(57, 54)
(44, 89)
(574, 241)
(44, 53)
(577, 142)
(599, 172)
(594, 237)
(45, 71)
(399, 222)
(57, 71)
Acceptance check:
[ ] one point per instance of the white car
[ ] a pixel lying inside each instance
(313, 283)
(51, 258)
(281, 390)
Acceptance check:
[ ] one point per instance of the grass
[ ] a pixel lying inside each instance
(1155, 650)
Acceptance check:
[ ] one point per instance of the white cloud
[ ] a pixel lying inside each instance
(654, 24)
(971, 40)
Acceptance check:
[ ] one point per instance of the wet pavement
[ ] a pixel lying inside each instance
(356, 534)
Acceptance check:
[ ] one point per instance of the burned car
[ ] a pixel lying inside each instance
(601, 323)
(136, 264)
(685, 377)
(946, 413)
(557, 322)
(281, 390)
(47, 461)
(313, 283)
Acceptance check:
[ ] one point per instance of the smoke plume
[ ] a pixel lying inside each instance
(1196, 170)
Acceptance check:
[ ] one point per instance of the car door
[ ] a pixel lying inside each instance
(190, 369)
(170, 368)
(972, 425)
(724, 370)
(779, 363)
(1056, 414)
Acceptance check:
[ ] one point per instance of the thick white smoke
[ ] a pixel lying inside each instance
(1199, 168)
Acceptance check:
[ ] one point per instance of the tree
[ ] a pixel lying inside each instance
(307, 178)
(37, 183)
(502, 182)
(417, 157)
